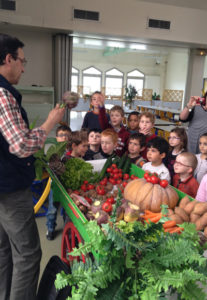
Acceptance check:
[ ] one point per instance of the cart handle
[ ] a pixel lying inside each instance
(43, 197)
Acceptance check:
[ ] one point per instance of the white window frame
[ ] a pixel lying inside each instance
(91, 75)
(138, 78)
(114, 76)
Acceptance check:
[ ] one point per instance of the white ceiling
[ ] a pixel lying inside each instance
(196, 4)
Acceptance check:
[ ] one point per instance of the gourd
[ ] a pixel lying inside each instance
(150, 196)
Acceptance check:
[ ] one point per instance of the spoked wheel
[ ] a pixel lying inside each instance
(70, 239)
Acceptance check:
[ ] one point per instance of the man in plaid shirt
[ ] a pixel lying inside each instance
(20, 251)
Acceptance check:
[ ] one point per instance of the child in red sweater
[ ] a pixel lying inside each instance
(183, 179)
(146, 123)
(116, 119)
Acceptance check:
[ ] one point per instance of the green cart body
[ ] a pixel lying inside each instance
(75, 215)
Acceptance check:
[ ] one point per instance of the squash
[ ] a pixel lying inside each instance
(150, 196)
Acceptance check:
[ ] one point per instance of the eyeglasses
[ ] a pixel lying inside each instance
(23, 60)
(173, 138)
(180, 164)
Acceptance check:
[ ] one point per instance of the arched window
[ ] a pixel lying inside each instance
(74, 80)
(114, 82)
(136, 79)
(91, 80)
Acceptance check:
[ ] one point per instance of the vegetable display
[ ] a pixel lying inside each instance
(76, 172)
(151, 196)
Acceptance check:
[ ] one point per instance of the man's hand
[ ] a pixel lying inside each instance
(54, 117)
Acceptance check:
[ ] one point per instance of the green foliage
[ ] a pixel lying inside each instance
(138, 261)
(76, 171)
(130, 93)
(43, 158)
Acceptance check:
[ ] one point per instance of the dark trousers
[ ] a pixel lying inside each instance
(20, 251)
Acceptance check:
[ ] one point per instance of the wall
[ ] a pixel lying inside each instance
(117, 18)
(176, 73)
(38, 52)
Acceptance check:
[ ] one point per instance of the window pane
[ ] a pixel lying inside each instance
(92, 71)
(74, 70)
(114, 72)
(74, 83)
(113, 86)
(135, 73)
(137, 83)
(91, 84)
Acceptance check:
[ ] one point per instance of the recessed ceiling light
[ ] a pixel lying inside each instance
(115, 44)
(93, 42)
(137, 47)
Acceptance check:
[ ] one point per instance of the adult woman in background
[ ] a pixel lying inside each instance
(195, 112)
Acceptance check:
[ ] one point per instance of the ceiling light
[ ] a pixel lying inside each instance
(115, 44)
(137, 47)
(93, 42)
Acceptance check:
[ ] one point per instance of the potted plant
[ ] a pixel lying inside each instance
(130, 93)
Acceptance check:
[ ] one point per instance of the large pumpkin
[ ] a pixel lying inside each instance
(150, 196)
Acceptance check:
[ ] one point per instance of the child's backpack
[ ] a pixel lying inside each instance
(47, 290)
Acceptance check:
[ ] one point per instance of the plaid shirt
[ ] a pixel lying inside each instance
(22, 141)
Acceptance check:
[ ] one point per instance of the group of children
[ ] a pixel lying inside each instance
(102, 135)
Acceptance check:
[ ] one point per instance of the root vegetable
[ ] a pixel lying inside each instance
(170, 212)
(190, 207)
(194, 217)
(181, 212)
(201, 223)
(131, 213)
(184, 201)
(176, 218)
(101, 217)
(96, 206)
(200, 208)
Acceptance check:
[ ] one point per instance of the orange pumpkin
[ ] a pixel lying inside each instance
(150, 196)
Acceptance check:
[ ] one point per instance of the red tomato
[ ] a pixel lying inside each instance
(116, 176)
(112, 181)
(84, 187)
(109, 170)
(154, 179)
(100, 190)
(110, 200)
(103, 182)
(164, 183)
(119, 181)
(148, 179)
(115, 171)
(132, 177)
(85, 182)
(114, 166)
(91, 186)
(126, 176)
(124, 184)
(107, 207)
(146, 175)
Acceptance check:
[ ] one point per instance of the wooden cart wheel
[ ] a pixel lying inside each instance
(70, 239)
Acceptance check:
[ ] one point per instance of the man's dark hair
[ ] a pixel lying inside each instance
(139, 137)
(9, 45)
(160, 144)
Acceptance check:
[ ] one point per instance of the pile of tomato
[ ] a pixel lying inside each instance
(154, 179)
